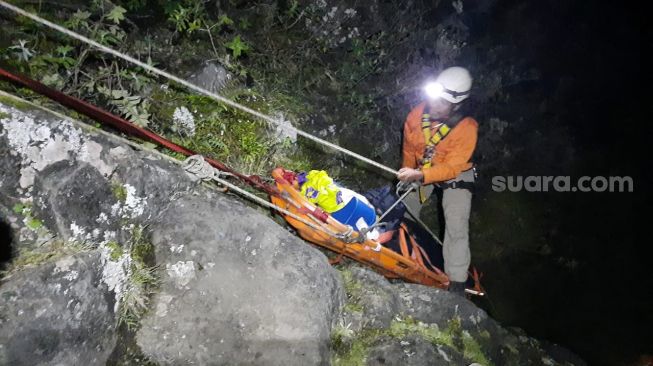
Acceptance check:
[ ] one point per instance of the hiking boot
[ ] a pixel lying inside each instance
(457, 288)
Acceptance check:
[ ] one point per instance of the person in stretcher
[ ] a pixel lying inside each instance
(360, 211)
(343, 204)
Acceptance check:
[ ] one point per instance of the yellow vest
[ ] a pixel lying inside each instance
(319, 189)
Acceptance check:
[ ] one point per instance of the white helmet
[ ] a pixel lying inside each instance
(453, 84)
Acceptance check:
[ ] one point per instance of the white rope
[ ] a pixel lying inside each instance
(191, 86)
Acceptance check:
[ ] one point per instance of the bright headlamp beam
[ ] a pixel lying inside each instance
(433, 90)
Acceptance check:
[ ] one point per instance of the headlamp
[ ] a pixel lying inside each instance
(433, 90)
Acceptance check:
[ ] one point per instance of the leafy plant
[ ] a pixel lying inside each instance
(244, 24)
(78, 20)
(18, 208)
(115, 250)
(135, 299)
(224, 20)
(116, 15)
(293, 9)
(188, 18)
(133, 107)
(237, 46)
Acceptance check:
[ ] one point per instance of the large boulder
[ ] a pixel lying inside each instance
(59, 313)
(236, 288)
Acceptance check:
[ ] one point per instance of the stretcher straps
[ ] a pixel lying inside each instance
(415, 253)
(422, 251)
(418, 253)
(402, 243)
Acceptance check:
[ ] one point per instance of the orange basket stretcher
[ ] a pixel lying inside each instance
(410, 265)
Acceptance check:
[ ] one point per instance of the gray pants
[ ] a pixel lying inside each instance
(456, 204)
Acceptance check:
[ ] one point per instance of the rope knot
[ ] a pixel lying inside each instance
(197, 166)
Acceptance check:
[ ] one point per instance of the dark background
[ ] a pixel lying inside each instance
(592, 58)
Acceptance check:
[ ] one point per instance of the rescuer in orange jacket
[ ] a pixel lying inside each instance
(437, 148)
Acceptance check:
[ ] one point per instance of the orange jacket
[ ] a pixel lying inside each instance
(452, 155)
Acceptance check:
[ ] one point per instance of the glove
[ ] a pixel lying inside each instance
(410, 175)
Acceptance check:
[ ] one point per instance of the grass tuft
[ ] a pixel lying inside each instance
(143, 281)
(53, 251)
(119, 191)
(116, 251)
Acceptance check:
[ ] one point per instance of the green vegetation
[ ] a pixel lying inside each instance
(142, 250)
(116, 250)
(400, 328)
(354, 307)
(30, 221)
(288, 67)
(36, 257)
(4, 115)
(19, 208)
(119, 191)
(52, 251)
(472, 350)
(142, 283)
(357, 351)
(34, 223)
(353, 289)
(47, 252)
(135, 299)
(237, 46)
(187, 16)
(352, 349)
(242, 141)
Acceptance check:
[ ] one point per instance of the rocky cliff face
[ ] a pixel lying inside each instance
(118, 257)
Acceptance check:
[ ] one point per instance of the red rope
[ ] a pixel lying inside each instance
(123, 125)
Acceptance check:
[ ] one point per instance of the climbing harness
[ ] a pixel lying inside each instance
(441, 130)
(431, 140)
(458, 184)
